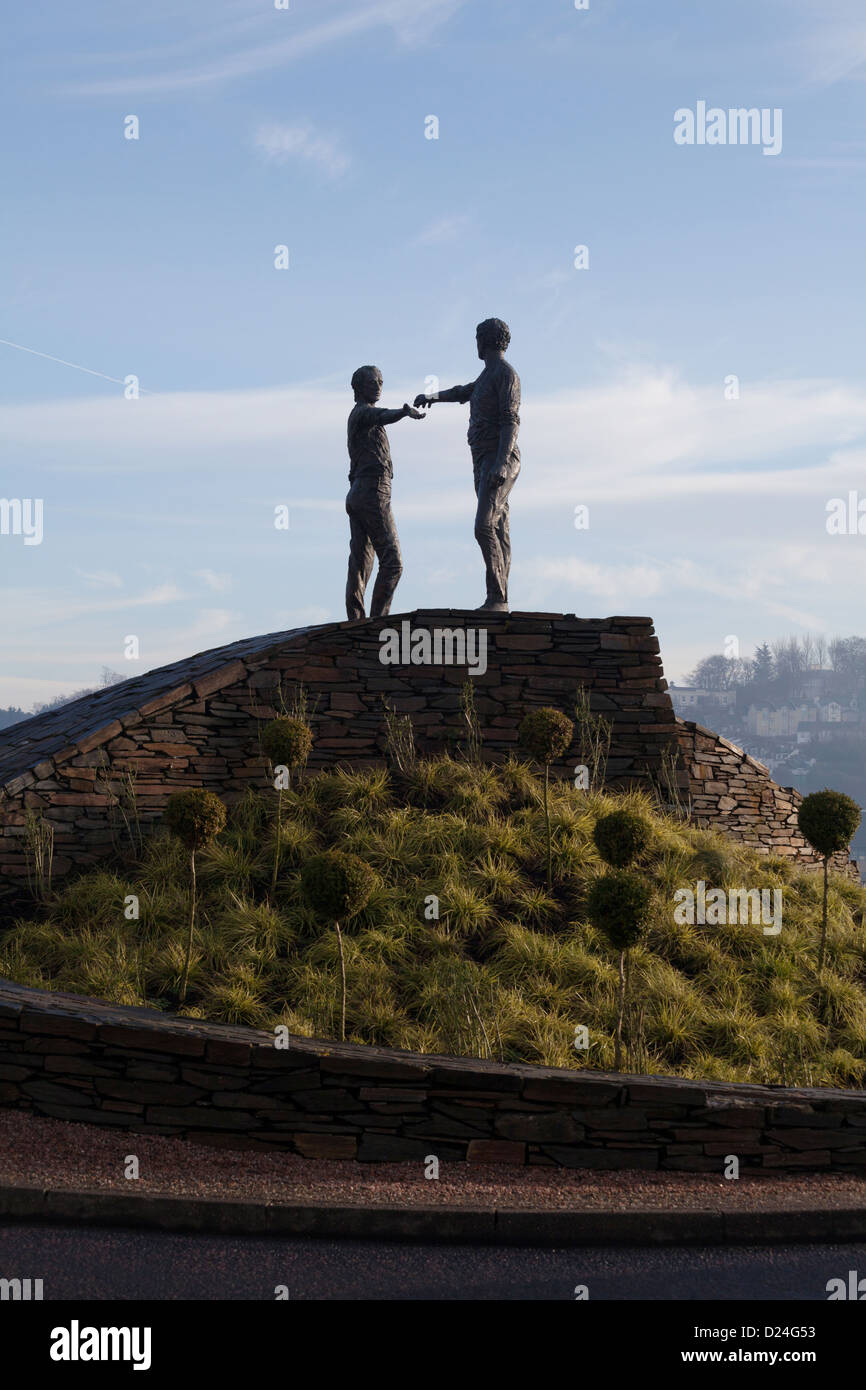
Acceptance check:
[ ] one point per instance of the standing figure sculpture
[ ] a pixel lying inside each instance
(372, 530)
(494, 419)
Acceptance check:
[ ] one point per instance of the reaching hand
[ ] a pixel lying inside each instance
(412, 413)
(423, 400)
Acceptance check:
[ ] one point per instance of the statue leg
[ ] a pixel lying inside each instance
(360, 565)
(383, 535)
(492, 532)
(503, 531)
(504, 536)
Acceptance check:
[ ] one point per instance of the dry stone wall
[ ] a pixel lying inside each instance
(197, 722)
(727, 788)
(137, 1070)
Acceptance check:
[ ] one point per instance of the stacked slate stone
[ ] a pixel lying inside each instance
(196, 723)
(731, 790)
(138, 1070)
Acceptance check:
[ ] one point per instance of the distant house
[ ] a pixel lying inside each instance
(691, 696)
(771, 722)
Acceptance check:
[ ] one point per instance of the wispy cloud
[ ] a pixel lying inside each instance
(220, 583)
(279, 143)
(824, 43)
(647, 432)
(412, 21)
(444, 229)
(603, 581)
(836, 52)
(82, 650)
(101, 579)
(23, 607)
(696, 505)
(761, 584)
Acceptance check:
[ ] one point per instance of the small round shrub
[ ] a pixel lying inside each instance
(196, 816)
(621, 837)
(336, 885)
(287, 742)
(828, 820)
(545, 734)
(618, 904)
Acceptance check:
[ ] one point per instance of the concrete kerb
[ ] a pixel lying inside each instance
(432, 1225)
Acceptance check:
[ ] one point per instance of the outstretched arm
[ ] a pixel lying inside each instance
(390, 417)
(458, 394)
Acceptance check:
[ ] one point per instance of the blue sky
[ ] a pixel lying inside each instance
(305, 127)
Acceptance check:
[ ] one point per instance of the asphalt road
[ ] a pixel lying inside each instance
(120, 1264)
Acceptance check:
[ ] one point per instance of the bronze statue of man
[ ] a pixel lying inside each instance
(372, 529)
(494, 419)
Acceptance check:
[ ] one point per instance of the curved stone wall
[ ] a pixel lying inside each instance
(197, 722)
(137, 1069)
(728, 788)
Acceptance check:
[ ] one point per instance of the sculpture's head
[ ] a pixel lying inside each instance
(367, 384)
(492, 336)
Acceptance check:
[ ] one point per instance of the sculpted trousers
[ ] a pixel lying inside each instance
(373, 534)
(491, 524)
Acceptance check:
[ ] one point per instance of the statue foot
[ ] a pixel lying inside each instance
(493, 606)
